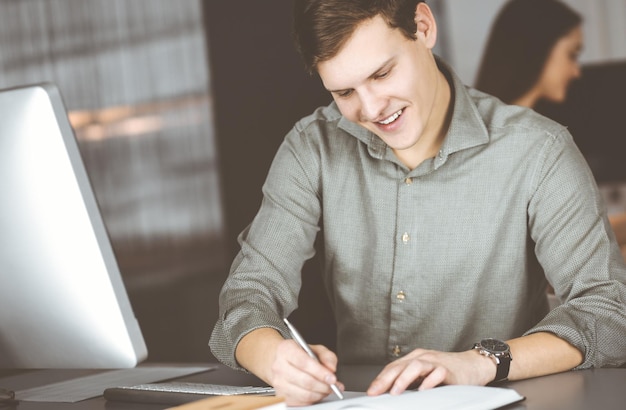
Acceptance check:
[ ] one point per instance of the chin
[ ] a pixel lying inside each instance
(556, 99)
(559, 98)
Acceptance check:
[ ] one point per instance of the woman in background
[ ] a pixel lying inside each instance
(532, 52)
(531, 55)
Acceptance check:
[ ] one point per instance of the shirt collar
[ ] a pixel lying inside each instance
(467, 127)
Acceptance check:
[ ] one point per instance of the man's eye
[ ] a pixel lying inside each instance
(344, 94)
(382, 75)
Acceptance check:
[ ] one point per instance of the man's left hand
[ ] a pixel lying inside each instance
(430, 368)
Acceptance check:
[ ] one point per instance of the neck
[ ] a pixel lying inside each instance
(527, 100)
(435, 130)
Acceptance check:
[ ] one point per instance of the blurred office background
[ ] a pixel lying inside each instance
(179, 106)
(135, 78)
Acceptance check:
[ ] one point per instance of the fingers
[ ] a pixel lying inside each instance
(301, 379)
(407, 373)
(326, 357)
(322, 368)
(434, 379)
(299, 396)
(399, 375)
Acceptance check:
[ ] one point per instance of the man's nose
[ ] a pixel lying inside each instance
(372, 106)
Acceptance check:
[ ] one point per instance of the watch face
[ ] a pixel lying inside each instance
(494, 345)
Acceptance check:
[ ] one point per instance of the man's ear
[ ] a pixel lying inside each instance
(426, 25)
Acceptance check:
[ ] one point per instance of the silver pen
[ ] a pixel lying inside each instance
(304, 345)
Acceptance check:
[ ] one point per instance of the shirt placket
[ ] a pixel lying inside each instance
(401, 297)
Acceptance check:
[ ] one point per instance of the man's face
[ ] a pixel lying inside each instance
(385, 82)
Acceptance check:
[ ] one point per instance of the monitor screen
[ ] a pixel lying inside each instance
(62, 299)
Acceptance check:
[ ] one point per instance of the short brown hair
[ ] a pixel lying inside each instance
(322, 27)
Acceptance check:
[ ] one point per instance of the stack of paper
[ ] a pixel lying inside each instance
(439, 398)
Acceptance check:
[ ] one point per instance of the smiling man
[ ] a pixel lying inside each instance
(391, 86)
(443, 213)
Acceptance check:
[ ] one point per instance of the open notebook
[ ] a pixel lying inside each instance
(439, 398)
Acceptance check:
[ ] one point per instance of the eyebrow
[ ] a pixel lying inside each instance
(382, 67)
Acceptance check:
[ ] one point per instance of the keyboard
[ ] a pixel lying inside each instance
(179, 392)
(81, 384)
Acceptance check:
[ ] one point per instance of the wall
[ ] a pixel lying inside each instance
(261, 90)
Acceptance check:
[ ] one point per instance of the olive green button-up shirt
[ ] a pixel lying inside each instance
(437, 257)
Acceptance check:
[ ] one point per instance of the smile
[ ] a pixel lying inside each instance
(391, 118)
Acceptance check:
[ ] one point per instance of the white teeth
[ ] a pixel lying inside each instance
(391, 119)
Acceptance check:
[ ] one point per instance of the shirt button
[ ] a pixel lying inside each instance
(408, 181)
(401, 296)
(405, 237)
(396, 351)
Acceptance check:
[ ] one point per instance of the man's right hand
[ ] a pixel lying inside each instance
(284, 365)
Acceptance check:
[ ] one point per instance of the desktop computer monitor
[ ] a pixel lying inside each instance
(63, 303)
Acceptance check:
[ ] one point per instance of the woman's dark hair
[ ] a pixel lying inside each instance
(322, 27)
(521, 40)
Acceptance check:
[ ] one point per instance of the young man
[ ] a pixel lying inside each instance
(442, 212)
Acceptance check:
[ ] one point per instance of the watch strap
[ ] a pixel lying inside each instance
(502, 368)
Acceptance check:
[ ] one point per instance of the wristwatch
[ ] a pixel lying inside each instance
(501, 354)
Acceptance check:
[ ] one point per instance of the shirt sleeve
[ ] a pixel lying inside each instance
(265, 277)
(576, 247)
